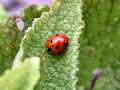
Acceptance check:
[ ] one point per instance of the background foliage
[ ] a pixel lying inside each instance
(100, 43)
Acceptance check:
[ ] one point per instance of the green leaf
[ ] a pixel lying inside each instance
(100, 46)
(57, 72)
(23, 78)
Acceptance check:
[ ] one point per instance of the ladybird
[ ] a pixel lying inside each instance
(57, 44)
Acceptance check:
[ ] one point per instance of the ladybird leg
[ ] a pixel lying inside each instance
(49, 50)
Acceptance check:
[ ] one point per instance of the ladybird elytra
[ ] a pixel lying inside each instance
(57, 44)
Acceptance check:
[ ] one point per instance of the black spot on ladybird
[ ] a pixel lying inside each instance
(56, 34)
(51, 41)
(64, 44)
(57, 47)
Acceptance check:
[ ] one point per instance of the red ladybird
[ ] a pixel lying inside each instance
(57, 44)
